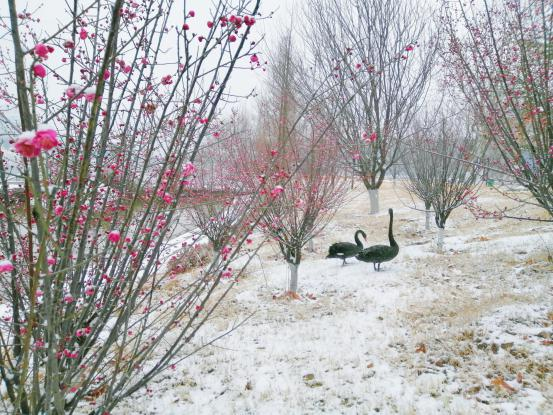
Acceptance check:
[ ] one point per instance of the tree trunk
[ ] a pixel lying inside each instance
(440, 242)
(428, 218)
(293, 285)
(373, 197)
(310, 246)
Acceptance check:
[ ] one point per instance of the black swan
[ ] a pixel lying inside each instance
(381, 253)
(343, 250)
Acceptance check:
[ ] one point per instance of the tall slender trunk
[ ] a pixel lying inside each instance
(428, 218)
(440, 241)
(293, 285)
(428, 206)
(310, 246)
(374, 200)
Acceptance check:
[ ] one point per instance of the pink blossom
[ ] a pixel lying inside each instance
(42, 50)
(551, 151)
(71, 91)
(210, 24)
(189, 169)
(167, 80)
(254, 58)
(68, 299)
(249, 21)
(186, 26)
(167, 198)
(107, 74)
(277, 190)
(39, 71)
(89, 94)
(51, 260)
(89, 290)
(27, 146)
(114, 236)
(68, 44)
(191, 13)
(46, 139)
(83, 34)
(409, 48)
(6, 266)
(58, 210)
(232, 38)
(370, 138)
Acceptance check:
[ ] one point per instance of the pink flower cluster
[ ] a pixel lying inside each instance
(277, 190)
(6, 266)
(189, 169)
(41, 51)
(31, 143)
(370, 138)
(114, 236)
(89, 94)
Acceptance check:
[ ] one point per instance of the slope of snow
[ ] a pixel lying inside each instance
(430, 334)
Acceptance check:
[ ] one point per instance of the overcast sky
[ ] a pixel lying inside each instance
(53, 16)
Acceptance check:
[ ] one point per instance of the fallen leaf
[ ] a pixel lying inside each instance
(96, 393)
(547, 342)
(370, 365)
(500, 382)
(421, 348)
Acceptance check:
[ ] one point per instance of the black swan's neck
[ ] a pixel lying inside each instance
(357, 240)
(390, 234)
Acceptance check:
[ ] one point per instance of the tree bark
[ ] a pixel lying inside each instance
(440, 241)
(428, 219)
(310, 246)
(374, 200)
(293, 285)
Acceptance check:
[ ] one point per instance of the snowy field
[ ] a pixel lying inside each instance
(464, 332)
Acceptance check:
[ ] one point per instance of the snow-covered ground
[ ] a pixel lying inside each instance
(464, 332)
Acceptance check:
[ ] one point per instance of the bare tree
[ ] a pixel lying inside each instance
(499, 53)
(449, 176)
(279, 106)
(219, 199)
(421, 176)
(304, 193)
(381, 57)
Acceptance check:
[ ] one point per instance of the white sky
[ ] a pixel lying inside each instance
(52, 16)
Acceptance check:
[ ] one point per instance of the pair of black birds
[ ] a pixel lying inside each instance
(375, 254)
